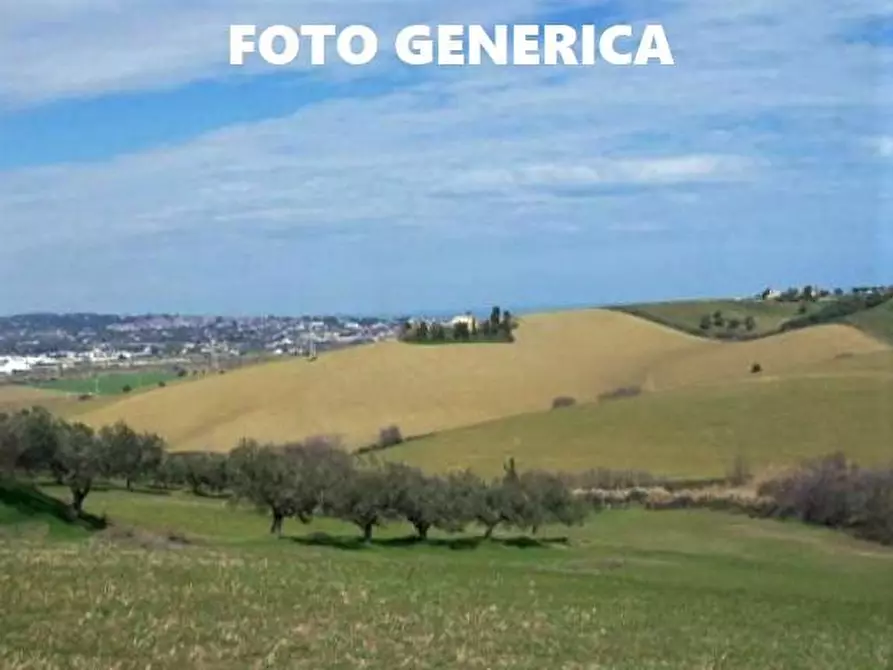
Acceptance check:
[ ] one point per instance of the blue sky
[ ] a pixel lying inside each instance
(140, 172)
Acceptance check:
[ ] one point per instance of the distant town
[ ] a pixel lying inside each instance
(30, 343)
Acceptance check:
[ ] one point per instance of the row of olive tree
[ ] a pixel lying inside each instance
(33, 441)
(302, 480)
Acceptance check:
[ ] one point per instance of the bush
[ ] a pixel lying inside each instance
(622, 392)
(182, 372)
(756, 368)
(127, 388)
(833, 492)
(563, 401)
(389, 436)
(161, 385)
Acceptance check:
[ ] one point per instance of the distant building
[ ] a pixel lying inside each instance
(467, 319)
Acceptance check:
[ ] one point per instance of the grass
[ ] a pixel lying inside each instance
(111, 383)
(878, 321)
(632, 590)
(690, 432)
(686, 315)
(354, 392)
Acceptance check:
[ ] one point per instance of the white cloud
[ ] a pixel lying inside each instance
(883, 146)
(490, 151)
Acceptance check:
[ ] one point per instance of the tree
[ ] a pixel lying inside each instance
(204, 471)
(705, 322)
(507, 325)
(266, 477)
(422, 331)
(38, 436)
(422, 501)
(495, 319)
(750, 323)
(130, 455)
(363, 498)
(10, 442)
(438, 332)
(80, 458)
(461, 333)
(547, 500)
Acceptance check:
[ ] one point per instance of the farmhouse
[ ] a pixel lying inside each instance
(467, 319)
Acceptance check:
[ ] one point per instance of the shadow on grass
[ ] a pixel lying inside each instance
(355, 543)
(28, 501)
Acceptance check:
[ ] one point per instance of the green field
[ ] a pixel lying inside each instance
(632, 589)
(686, 315)
(110, 383)
(687, 432)
(877, 321)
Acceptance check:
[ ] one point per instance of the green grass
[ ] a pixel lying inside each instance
(111, 383)
(694, 432)
(632, 590)
(686, 315)
(877, 321)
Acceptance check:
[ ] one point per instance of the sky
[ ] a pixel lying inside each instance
(141, 172)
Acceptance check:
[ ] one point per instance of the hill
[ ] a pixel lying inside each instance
(784, 354)
(686, 315)
(690, 432)
(877, 321)
(355, 392)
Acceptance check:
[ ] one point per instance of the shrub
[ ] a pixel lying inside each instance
(833, 492)
(563, 401)
(389, 436)
(127, 388)
(161, 385)
(756, 368)
(622, 392)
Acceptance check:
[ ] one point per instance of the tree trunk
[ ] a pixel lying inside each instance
(367, 532)
(129, 484)
(77, 499)
(488, 533)
(422, 529)
(276, 526)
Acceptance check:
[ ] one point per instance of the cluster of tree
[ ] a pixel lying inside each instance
(302, 480)
(732, 324)
(498, 327)
(839, 309)
(74, 454)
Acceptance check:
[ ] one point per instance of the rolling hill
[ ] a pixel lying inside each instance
(690, 432)
(355, 392)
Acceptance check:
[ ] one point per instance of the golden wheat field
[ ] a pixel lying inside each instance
(425, 389)
(791, 352)
(355, 392)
